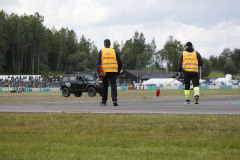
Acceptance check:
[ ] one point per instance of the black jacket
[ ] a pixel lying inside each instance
(200, 61)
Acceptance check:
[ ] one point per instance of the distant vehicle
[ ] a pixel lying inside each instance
(238, 79)
(78, 82)
(207, 82)
(234, 82)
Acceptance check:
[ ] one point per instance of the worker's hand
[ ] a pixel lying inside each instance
(180, 73)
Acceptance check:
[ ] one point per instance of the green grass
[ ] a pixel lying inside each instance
(216, 74)
(219, 74)
(26, 97)
(64, 136)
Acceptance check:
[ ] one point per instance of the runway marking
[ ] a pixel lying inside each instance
(238, 102)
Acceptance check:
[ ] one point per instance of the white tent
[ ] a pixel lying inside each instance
(227, 80)
(201, 81)
(162, 81)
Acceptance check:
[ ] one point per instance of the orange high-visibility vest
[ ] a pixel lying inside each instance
(109, 60)
(190, 61)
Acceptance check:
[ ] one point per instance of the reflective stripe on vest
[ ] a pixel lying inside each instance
(109, 60)
(190, 61)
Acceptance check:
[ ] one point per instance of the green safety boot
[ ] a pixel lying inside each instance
(187, 101)
(196, 99)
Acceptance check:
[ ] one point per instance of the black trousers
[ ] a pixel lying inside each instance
(190, 76)
(109, 77)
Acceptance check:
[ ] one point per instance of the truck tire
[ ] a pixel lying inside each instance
(78, 94)
(65, 92)
(91, 91)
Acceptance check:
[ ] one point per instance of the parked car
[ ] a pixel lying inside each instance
(78, 82)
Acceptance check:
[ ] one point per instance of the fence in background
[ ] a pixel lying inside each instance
(182, 87)
(9, 89)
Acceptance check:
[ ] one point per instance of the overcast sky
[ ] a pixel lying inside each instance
(211, 25)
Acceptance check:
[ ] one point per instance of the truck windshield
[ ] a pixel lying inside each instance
(89, 77)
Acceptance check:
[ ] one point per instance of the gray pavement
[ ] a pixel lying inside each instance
(175, 106)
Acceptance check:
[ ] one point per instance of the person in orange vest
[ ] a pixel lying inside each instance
(188, 64)
(112, 65)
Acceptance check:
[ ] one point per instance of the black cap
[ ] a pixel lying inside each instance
(189, 44)
(107, 42)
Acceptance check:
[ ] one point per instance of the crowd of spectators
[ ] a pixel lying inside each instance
(31, 81)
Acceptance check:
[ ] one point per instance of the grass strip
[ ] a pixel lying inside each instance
(7, 97)
(118, 136)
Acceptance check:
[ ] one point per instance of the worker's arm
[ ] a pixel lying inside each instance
(99, 61)
(200, 61)
(119, 62)
(180, 63)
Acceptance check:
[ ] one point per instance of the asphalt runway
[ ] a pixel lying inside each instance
(228, 105)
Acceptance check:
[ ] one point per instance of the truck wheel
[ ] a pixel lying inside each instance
(91, 91)
(65, 92)
(78, 94)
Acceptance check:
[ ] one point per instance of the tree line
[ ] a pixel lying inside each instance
(29, 47)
